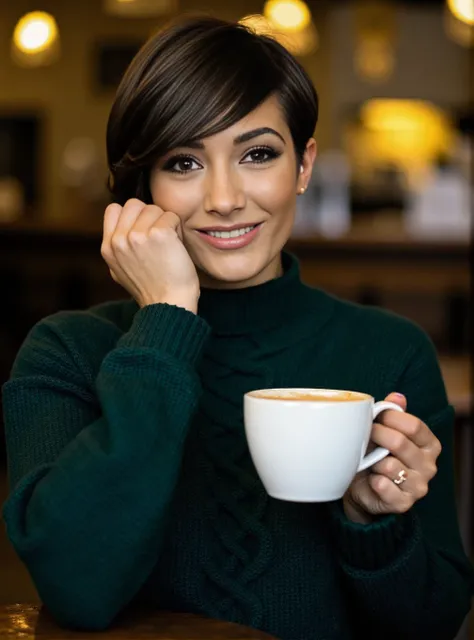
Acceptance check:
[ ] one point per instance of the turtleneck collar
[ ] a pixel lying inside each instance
(261, 307)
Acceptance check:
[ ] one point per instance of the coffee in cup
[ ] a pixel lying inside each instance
(290, 394)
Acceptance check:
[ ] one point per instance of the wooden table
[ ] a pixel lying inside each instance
(30, 622)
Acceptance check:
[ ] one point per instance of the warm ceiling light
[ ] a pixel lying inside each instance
(411, 134)
(398, 115)
(463, 10)
(288, 15)
(35, 32)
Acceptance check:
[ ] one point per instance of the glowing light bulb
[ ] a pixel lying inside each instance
(463, 10)
(288, 15)
(35, 32)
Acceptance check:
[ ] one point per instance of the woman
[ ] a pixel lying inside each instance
(131, 477)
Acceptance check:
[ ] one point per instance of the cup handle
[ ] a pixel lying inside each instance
(379, 453)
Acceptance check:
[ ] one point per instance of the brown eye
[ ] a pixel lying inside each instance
(260, 155)
(181, 164)
(184, 165)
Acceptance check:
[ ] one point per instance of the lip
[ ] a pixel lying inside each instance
(230, 243)
(232, 228)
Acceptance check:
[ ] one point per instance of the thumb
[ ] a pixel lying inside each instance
(397, 398)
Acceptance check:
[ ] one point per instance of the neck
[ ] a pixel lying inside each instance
(272, 270)
(276, 302)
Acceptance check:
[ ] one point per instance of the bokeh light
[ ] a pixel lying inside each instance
(35, 32)
(288, 15)
(463, 10)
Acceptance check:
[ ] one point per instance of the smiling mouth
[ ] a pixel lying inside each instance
(230, 238)
(235, 233)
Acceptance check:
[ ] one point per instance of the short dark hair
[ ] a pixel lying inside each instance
(194, 79)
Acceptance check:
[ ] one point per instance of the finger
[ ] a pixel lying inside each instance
(128, 216)
(171, 220)
(148, 216)
(389, 494)
(406, 480)
(399, 445)
(411, 426)
(397, 398)
(389, 466)
(111, 217)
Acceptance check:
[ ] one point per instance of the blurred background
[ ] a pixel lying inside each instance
(385, 221)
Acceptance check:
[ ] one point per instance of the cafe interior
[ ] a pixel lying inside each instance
(385, 220)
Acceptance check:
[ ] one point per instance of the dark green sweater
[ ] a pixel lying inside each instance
(132, 482)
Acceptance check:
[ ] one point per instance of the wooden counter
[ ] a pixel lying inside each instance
(30, 622)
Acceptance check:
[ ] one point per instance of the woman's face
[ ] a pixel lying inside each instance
(235, 193)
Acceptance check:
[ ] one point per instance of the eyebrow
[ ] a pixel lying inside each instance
(249, 135)
(243, 137)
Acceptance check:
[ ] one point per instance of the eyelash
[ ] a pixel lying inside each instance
(271, 153)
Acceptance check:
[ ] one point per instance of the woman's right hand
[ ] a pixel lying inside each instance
(142, 246)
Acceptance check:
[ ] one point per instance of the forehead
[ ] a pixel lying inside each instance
(268, 114)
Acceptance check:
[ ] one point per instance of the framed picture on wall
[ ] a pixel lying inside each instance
(20, 138)
(111, 60)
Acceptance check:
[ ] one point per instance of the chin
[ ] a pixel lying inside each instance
(231, 270)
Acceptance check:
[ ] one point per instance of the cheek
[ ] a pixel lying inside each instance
(275, 191)
(171, 195)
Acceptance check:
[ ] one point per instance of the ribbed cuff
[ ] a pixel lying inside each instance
(375, 545)
(173, 330)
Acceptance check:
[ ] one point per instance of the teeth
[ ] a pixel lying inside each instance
(231, 234)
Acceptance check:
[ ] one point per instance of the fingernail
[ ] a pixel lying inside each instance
(400, 395)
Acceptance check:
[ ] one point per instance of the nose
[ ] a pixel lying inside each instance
(224, 193)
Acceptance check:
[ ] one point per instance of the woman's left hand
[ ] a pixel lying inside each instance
(414, 450)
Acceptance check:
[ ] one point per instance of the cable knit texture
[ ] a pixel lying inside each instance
(131, 479)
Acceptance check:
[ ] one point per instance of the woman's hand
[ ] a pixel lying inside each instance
(414, 450)
(142, 245)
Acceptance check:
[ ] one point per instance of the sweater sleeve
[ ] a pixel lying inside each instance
(93, 470)
(408, 575)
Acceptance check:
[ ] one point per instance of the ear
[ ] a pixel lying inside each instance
(306, 168)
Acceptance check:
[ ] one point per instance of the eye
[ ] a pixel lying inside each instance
(259, 155)
(181, 164)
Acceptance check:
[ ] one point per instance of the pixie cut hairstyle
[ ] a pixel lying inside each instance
(192, 80)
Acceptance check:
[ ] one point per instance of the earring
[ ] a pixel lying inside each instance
(302, 190)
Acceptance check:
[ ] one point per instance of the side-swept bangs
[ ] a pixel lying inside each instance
(193, 80)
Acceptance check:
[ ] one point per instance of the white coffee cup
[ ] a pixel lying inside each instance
(309, 450)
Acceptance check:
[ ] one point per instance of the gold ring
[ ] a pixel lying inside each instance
(400, 479)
